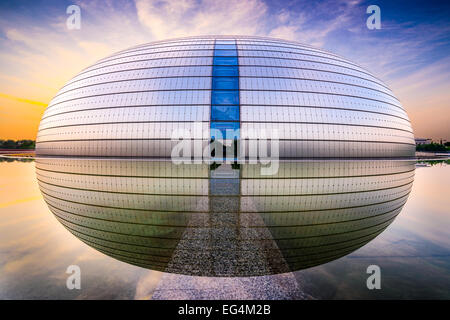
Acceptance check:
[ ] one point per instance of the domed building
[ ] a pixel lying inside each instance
(320, 104)
(225, 219)
(189, 219)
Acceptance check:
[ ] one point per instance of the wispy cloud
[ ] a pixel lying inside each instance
(173, 18)
(37, 103)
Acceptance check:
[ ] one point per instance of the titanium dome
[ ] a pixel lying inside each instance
(322, 105)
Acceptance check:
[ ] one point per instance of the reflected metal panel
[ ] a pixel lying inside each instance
(224, 220)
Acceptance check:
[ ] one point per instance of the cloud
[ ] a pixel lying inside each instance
(170, 18)
(146, 285)
(314, 25)
(425, 94)
(37, 103)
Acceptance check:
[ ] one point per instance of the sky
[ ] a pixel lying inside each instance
(39, 54)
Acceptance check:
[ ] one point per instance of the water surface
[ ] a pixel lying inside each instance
(35, 250)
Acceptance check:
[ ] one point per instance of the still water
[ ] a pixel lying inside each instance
(153, 230)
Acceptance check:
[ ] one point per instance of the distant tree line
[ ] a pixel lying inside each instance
(433, 147)
(17, 144)
(435, 162)
(5, 159)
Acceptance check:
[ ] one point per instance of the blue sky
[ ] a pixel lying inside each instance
(410, 52)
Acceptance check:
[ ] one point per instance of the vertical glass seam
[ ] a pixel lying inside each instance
(225, 97)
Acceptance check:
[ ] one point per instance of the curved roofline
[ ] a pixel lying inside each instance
(233, 36)
(210, 36)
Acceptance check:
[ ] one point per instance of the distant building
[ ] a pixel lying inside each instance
(422, 141)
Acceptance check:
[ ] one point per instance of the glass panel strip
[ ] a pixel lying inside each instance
(225, 104)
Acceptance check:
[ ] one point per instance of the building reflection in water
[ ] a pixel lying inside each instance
(225, 220)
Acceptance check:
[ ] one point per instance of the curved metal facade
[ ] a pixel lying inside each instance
(189, 219)
(129, 104)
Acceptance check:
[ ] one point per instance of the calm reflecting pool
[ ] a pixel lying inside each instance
(152, 229)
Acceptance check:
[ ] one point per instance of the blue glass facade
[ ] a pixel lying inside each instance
(225, 90)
